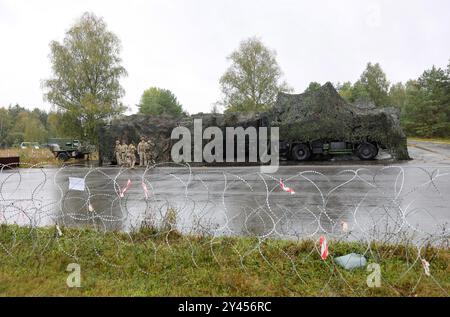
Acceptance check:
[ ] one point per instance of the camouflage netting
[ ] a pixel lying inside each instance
(321, 114)
(324, 114)
(156, 129)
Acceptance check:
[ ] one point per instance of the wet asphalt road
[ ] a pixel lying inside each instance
(428, 153)
(376, 200)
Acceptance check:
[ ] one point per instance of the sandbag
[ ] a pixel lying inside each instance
(351, 261)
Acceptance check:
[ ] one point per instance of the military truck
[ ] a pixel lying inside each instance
(29, 145)
(65, 149)
(312, 124)
(302, 151)
(321, 122)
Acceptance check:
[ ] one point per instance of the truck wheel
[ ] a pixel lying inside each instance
(301, 152)
(366, 151)
(63, 156)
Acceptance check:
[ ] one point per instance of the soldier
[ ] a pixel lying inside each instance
(117, 153)
(141, 152)
(123, 153)
(148, 156)
(131, 155)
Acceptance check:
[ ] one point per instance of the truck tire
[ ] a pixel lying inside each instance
(301, 152)
(366, 151)
(63, 156)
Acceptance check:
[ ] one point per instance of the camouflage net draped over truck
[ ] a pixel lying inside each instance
(324, 114)
(321, 114)
(129, 129)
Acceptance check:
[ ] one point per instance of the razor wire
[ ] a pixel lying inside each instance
(389, 204)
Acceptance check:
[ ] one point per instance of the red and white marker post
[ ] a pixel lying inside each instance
(122, 192)
(323, 247)
(286, 189)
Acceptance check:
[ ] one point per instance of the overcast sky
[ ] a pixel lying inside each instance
(182, 45)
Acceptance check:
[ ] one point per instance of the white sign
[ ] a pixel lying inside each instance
(76, 183)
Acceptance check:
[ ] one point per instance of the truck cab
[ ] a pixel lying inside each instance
(65, 148)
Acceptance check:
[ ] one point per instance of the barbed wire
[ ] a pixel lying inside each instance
(392, 205)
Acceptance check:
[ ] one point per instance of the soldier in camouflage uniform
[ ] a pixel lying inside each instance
(117, 153)
(148, 154)
(123, 153)
(141, 152)
(131, 155)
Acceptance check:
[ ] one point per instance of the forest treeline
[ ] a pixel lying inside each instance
(424, 103)
(85, 89)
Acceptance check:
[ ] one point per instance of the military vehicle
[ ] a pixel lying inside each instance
(304, 151)
(29, 145)
(313, 124)
(65, 148)
(322, 123)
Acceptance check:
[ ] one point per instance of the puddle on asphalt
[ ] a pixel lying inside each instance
(373, 202)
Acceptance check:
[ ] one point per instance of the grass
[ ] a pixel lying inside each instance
(433, 140)
(148, 263)
(30, 157)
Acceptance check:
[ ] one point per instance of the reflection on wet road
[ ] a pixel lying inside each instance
(351, 201)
